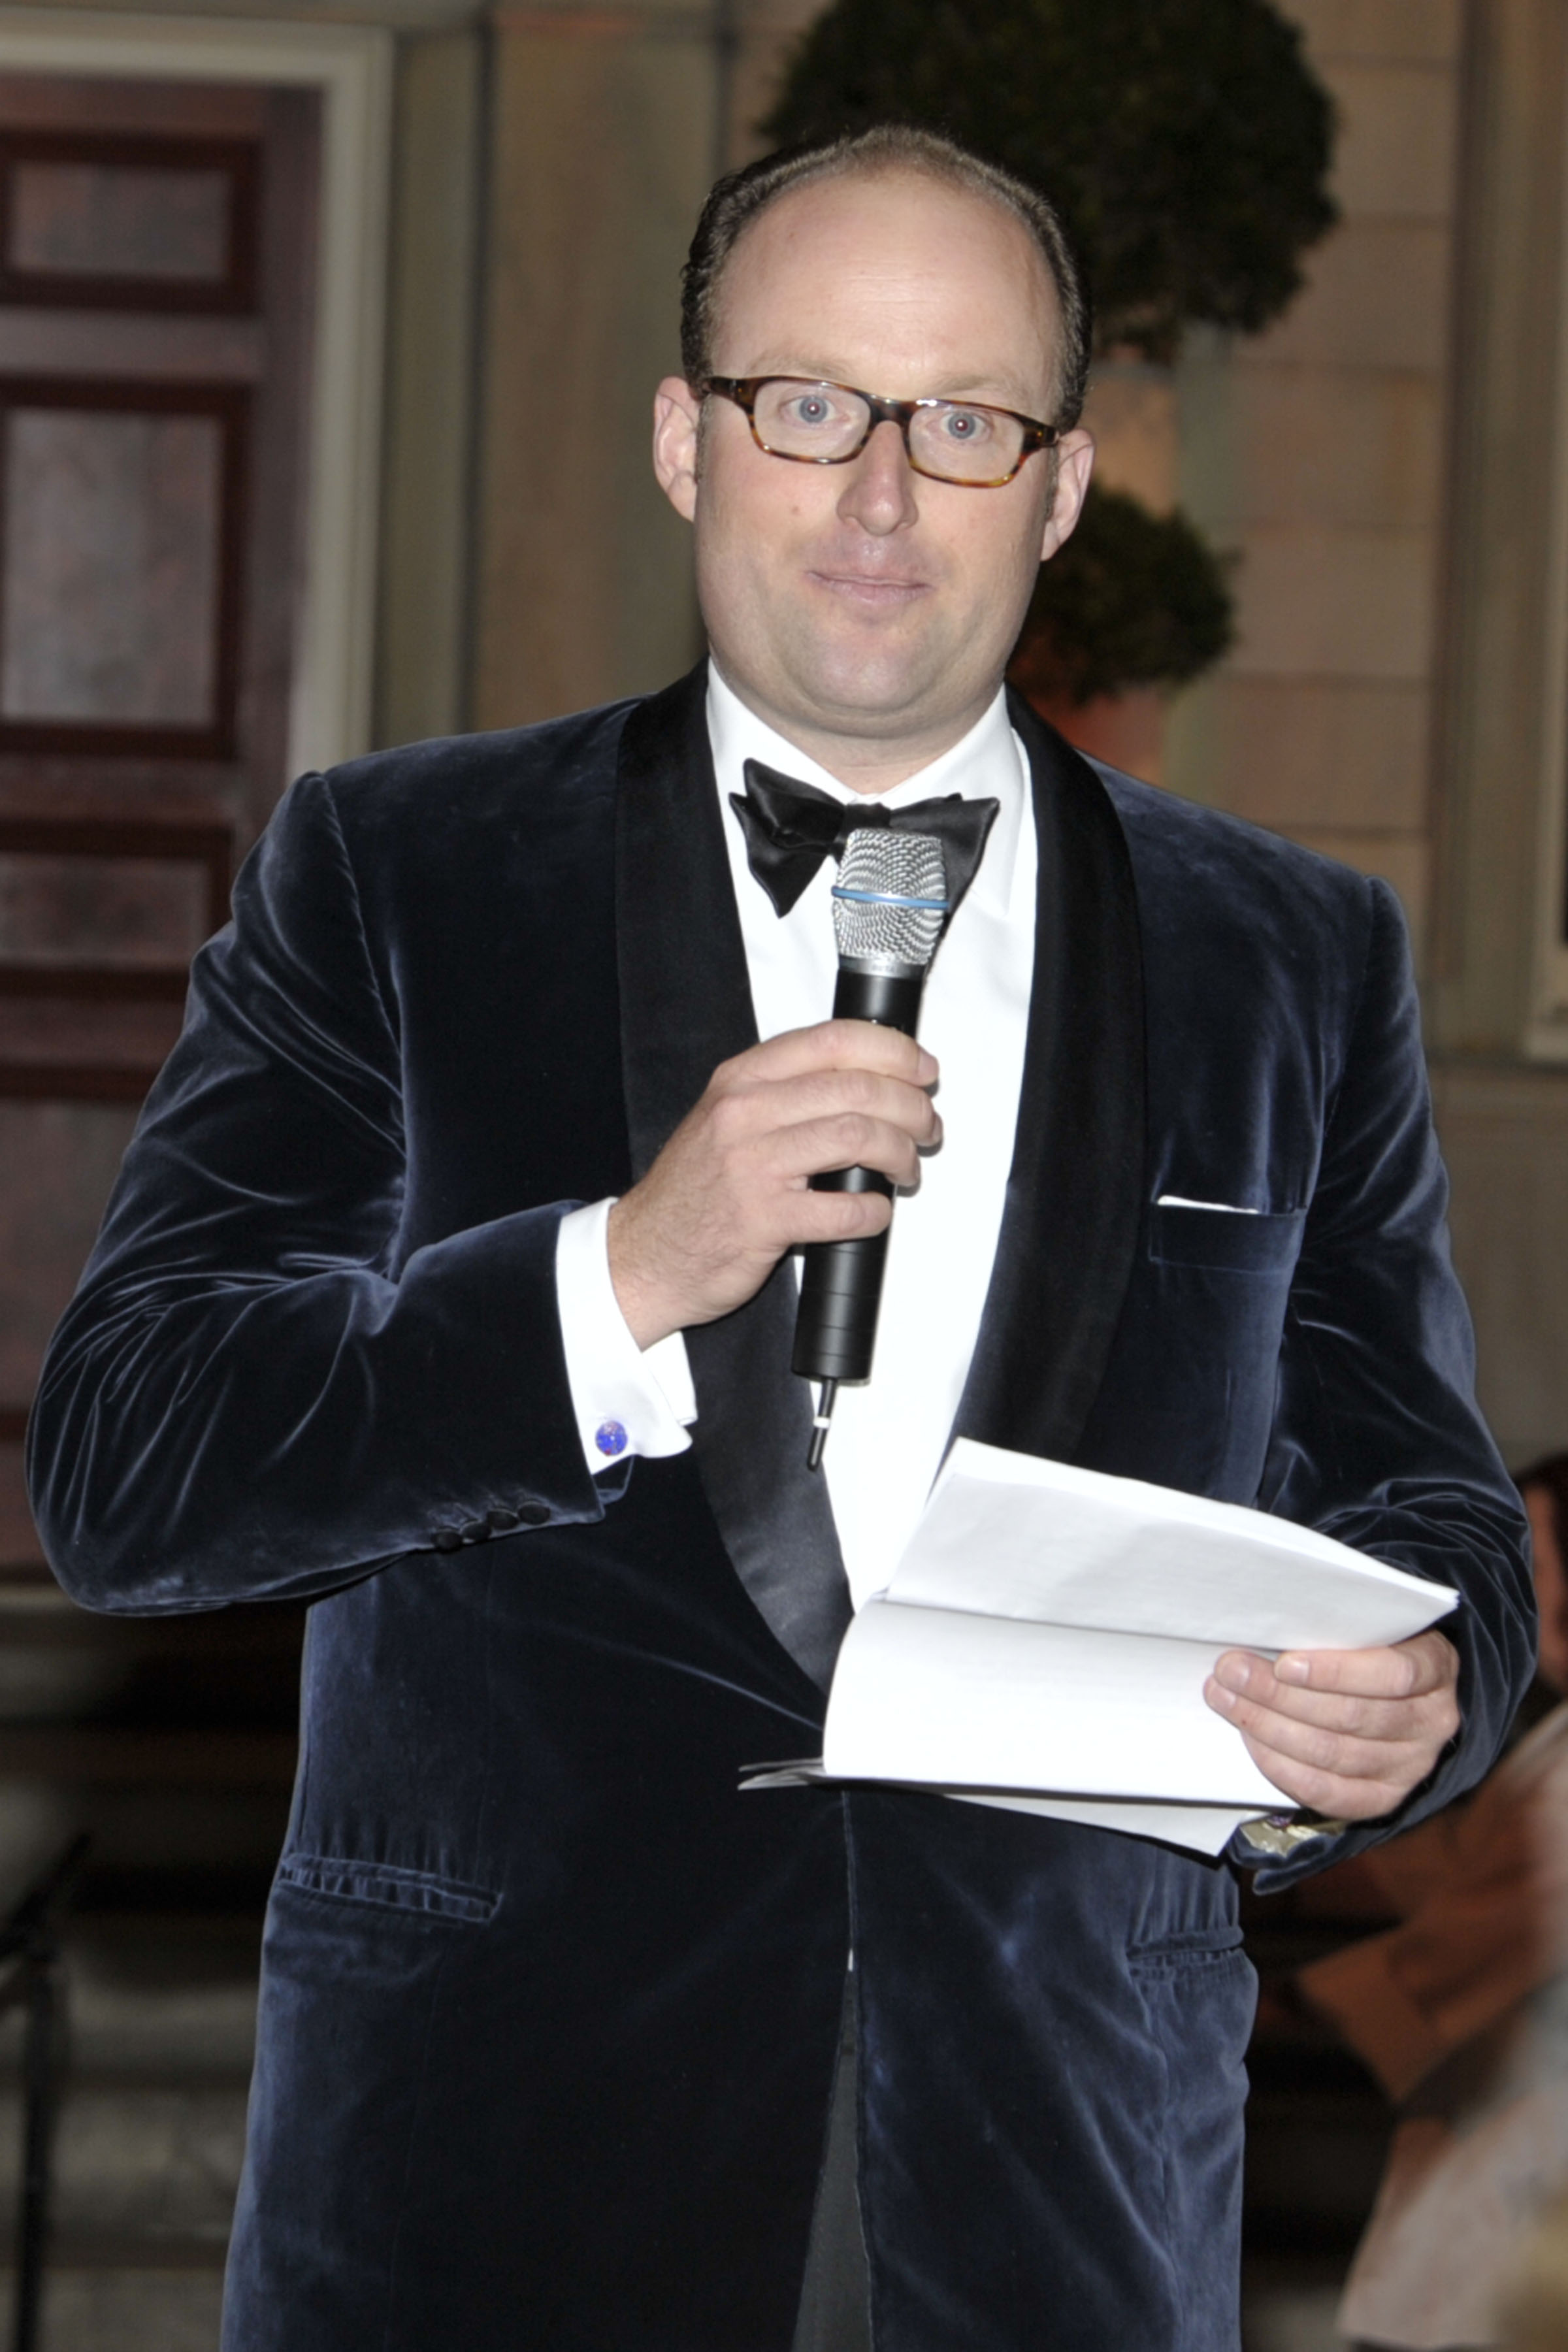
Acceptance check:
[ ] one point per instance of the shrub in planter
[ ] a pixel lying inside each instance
(1186, 143)
(1132, 600)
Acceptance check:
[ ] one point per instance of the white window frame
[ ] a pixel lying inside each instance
(352, 67)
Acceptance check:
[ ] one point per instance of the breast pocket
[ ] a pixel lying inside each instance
(1225, 1240)
(1198, 1355)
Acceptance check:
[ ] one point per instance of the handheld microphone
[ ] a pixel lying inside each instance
(890, 903)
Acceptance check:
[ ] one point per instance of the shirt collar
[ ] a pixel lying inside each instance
(989, 764)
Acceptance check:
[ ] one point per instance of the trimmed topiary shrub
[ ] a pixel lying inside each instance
(1133, 599)
(1185, 143)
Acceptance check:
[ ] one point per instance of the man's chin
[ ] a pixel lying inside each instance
(878, 699)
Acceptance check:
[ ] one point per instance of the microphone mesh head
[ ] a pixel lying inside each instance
(891, 897)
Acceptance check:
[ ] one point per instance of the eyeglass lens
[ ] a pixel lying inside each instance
(825, 422)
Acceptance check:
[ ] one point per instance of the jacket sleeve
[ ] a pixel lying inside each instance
(250, 1396)
(1377, 1439)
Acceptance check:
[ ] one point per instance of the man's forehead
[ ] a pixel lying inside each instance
(869, 246)
(856, 207)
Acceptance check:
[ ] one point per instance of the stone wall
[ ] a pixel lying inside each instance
(604, 137)
(1315, 453)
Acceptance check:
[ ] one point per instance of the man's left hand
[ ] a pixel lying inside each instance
(1348, 1733)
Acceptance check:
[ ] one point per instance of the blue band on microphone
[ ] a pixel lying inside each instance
(890, 899)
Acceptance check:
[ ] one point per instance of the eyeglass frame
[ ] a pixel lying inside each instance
(743, 390)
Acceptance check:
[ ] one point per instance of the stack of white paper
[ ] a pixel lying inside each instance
(1049, 1632)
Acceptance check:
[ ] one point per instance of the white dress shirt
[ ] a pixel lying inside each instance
(888, 1434)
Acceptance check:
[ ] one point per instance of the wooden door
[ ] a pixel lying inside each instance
(156, 251)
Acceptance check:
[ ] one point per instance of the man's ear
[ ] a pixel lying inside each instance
(1075, 462)
(675, 415)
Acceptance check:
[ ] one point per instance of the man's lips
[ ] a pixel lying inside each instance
(873, 588)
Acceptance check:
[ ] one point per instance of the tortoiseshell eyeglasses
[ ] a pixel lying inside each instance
(816, 423)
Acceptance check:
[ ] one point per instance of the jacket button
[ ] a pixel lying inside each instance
(533, 1514)
(476, 1531)
(446, 1540)
(501, 1523)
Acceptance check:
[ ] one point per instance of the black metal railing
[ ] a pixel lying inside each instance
(29, 1944)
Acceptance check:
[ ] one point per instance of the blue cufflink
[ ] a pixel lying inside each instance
(610, 1437)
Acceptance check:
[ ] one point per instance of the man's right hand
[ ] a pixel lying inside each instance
(730, 1191)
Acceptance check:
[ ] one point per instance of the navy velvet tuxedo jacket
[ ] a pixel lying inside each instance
(550, 2009)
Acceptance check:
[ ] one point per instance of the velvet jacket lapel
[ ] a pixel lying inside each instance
(686, 1006)
(1075, 1190)
(1074, 1198)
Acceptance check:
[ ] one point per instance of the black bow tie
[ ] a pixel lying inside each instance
(791, 827)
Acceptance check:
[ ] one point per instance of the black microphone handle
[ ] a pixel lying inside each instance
(841, 1282)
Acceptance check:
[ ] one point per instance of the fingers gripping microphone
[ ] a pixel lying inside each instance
(890, 903)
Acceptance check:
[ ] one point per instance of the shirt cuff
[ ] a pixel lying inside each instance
(626, 1399)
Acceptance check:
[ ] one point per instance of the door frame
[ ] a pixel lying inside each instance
(352, 67)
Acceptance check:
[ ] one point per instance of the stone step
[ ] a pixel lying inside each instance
(156, 1851)
(119, 1756)
(126, 2308)
(159, 2010)
(171, 1741)
(135, 2164)
(161, 2016)
(217, 1669)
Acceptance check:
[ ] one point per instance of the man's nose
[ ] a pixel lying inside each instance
(880, 494)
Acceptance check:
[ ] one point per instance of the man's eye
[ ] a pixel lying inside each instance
(809, 408)
(967, 425)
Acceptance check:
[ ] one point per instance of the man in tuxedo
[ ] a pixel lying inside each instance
(447, 1284)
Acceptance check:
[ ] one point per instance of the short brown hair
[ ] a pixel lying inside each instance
(735, 201)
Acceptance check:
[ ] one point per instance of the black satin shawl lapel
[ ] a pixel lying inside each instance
(686, 1006)
(1075, 1190)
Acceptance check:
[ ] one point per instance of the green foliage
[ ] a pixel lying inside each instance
(1133, 599)
(1185, 143)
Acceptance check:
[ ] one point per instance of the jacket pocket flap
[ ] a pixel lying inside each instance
(414, 1891)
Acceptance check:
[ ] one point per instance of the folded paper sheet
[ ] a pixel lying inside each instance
(1049, 1632)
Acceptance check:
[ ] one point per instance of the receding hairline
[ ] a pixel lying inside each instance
(955, 177)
